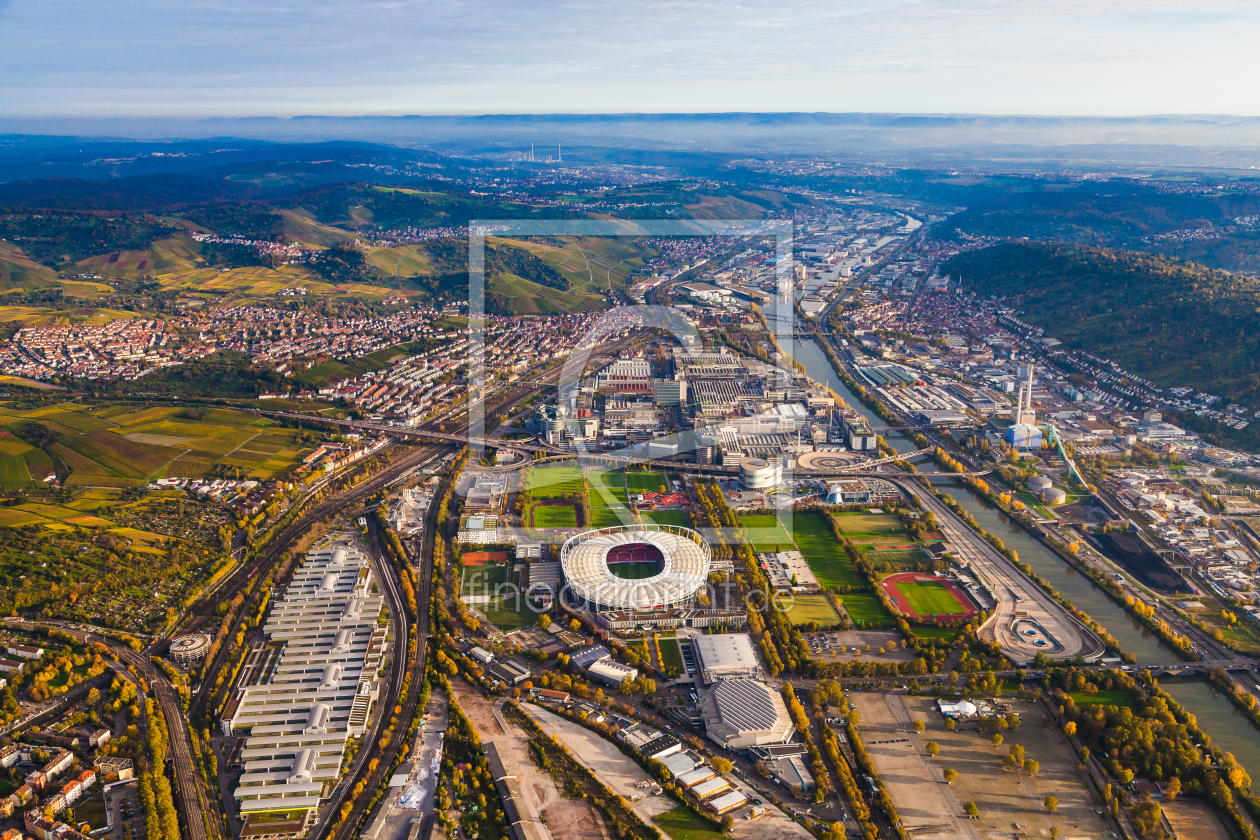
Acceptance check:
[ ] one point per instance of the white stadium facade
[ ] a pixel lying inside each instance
(640, 567)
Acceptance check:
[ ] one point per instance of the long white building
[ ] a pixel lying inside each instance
(315, 685)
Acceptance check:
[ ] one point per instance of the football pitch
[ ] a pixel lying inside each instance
(930, 598)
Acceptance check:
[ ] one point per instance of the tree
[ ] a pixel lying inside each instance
(1052, 804)
(1017, 752)
(1054, 831)
(919, 726)
(933, 749)
(997, 739)
(1031, 766)
(971, 809)
(950, 725)
(721, 765)
(728, 822)
(854, 717)
(1172, 788)
(950, 775)
(836, 831)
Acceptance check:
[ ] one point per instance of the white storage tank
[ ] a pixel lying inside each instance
(1053, 496)
(1039, 483)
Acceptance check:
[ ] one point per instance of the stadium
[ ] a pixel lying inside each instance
(636, 567)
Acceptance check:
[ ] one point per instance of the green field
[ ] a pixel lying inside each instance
(807, 608)
(1103, 697)
(554, 482)
(607, 498)
(865, 610)
(671, 656)
(667, 517)
(831, 565)
(682, 823)
(766, 532)
(640, 482)
(872, 529)
(928, 632)
(634, 571)
(505, 614)
(553, 516)
(929, 598)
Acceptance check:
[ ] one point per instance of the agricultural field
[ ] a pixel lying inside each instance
(804, 609)
(130, 445)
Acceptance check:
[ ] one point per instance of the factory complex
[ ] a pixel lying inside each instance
(309, 687)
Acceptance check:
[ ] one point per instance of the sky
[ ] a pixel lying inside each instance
(195, 58)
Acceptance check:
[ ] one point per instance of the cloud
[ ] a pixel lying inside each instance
(137, 57)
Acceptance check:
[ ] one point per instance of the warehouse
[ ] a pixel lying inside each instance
(742, 713)
(726, 656)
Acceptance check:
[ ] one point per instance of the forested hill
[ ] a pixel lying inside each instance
(1175, 323)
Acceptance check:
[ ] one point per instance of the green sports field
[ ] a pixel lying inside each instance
(666, 517)
(554, 482)
(639, 482)
(606, 495)
(807, 608)
(553, 516)
(825, 556)
(865, 610)
(766, 533)
(930, 598)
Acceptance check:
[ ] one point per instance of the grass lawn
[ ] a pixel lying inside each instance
(946, 633)
(1114, 697)
(807, 608)
(638, 482)
(667, 517)
(682, 823)
(607, 498)
(505, 613)
(831, 565)
(671, 656)
(554, 482)
(634, 571)
(930, 598)
(866, 610)
(869, 523)
(766, 533)
(553, 516)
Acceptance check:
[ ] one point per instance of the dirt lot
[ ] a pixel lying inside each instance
(1006, 799)
(566, 819)
(1194, 820)
(926, 804)
(608, 763)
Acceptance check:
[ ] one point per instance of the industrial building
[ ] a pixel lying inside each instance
(726, 656)
(788, 571)
(314, 686)
(744, 713)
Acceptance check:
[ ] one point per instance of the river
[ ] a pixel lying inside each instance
(1228, 728)
(1216, 715)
